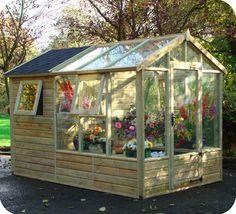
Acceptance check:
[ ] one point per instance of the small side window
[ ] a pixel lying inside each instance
(28, 97)
(88, 95)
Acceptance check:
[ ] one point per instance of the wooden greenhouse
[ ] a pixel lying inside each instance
(136, 118)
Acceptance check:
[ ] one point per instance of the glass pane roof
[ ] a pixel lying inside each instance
(110, 56)
(140, 53)
(85, 59)
(121, 54)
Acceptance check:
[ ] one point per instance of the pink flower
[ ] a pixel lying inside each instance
(151, 125)
(86, 103)
(118, 125)
(132, 128)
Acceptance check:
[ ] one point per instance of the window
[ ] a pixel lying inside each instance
(210, 110)
(88, 95)
(28, 97)
(65, 92)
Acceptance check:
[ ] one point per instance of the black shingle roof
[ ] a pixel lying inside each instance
(43, 63)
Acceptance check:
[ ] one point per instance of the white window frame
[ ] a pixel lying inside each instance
(96, 109)
(39, 84)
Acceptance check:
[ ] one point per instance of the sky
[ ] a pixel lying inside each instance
(50, 18)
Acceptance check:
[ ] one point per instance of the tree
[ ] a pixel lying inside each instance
(20, 25)
(116, 20)
(16, 37)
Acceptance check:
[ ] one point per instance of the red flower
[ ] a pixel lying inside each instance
(183, 113)
(67, 90)
(205, 101)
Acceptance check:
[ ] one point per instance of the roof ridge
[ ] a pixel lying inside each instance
(56, 49)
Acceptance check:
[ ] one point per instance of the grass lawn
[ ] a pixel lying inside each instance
(4, 130)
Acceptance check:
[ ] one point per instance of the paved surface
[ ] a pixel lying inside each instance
(25, 195)
(5, 166)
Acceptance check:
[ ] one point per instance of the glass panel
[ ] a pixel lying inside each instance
(206, 65)
(161, 63)
(65, 92)
(192, 56)
(140, 53)
(185, 110)
(110, 56)
(93, 135)
(124, 114)
(210, 113)
(84, 59)
(27, 98)
(88, 97)
(154, 101)
(67, 131)
(177, 54)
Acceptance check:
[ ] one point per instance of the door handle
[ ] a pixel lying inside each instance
(173, 119)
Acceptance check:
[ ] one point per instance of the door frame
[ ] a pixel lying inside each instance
(198, 68)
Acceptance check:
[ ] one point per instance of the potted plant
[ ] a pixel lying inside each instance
(124, 129)
(185, 136)
(130, 148)
(94, 139)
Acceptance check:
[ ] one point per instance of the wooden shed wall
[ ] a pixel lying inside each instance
(109, 174)
(156, 177)
(123, 93)
(212, 166)
(33, 136)
(187, 168)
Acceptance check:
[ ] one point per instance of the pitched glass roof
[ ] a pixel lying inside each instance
(121, 54)
(140, 53)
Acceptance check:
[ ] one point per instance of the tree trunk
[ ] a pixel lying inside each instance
(7, 88)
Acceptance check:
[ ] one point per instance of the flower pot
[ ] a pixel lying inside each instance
(118, 148)
(86, 144)
(147, 153)
(130, 153)
(95, 148)
(76, 143)
(103, 146)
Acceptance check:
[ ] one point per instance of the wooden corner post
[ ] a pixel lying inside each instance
(170, 127)
(12, 126)
(140, 131)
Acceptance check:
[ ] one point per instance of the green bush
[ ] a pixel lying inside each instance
(229, 115)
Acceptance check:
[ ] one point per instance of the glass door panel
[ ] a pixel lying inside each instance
(184, 94)
(184, 105)
(155, 113)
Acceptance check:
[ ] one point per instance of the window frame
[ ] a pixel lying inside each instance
(96, 109)
(39, 84)
(57, 87)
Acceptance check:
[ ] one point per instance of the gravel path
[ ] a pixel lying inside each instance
(5, 165)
